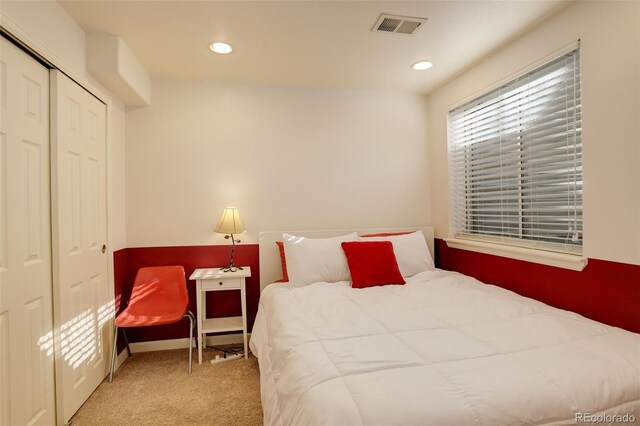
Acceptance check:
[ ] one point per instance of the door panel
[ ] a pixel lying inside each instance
(79, 232)
(26, 332)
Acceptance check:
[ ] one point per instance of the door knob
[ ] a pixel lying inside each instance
(104, 248)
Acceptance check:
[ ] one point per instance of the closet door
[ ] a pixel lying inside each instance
(82, 310)
(26, 348)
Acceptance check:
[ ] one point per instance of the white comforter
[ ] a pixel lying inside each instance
(444, 349)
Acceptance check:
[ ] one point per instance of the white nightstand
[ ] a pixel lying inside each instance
(212, 279)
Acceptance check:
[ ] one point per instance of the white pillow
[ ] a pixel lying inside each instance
(311, 260)
(412, 252)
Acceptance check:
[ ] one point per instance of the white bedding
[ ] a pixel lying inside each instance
(444, 349)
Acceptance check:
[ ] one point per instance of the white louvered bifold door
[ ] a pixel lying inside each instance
(516, 161)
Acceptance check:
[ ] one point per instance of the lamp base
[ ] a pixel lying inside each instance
(231, 268)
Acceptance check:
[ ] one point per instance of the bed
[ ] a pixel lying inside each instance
(443, 349)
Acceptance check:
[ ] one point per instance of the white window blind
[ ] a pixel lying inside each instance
(516, 161)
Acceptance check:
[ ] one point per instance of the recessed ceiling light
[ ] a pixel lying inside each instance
(422, 65)
(222, 48)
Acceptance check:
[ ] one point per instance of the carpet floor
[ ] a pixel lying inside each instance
(154, 388)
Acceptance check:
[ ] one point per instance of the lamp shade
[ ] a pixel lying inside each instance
(230, 222)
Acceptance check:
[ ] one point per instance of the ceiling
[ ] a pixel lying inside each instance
(310, 43)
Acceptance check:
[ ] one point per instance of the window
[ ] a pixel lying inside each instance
(516, 161)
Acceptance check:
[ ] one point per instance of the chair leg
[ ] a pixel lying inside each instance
(190, 316)
(124, 334)
(113, 353)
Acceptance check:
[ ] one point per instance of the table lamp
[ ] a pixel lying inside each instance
(230, 224)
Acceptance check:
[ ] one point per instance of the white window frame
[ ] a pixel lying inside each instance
(527, 251)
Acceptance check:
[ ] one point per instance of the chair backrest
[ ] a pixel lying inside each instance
(165, 284)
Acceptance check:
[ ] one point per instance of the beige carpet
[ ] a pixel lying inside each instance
(154, 388)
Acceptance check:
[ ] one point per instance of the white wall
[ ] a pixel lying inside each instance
(610, 55)
(288, 158)
(50, 26)
(116, 184)
(47, 28)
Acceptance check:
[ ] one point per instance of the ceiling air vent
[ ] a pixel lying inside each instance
(395, 24)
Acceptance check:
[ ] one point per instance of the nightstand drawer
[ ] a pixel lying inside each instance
(222, 284)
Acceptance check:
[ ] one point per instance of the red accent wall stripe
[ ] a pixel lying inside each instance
(119, 276)
(605, 291)
(219, 304)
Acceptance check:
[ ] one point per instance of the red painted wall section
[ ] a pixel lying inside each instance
(605, 291)
(219, 303)
(119, 280)
(120, 276)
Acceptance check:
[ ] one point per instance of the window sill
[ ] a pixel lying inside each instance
(560, 260)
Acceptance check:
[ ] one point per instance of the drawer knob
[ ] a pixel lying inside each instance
(220, 283)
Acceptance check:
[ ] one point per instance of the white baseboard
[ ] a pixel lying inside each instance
(161, 345)
(122, 357)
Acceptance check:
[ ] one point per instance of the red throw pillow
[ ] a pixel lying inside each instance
(283, 262)
(372, 263)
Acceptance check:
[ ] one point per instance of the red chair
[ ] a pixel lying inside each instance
(159, 296)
